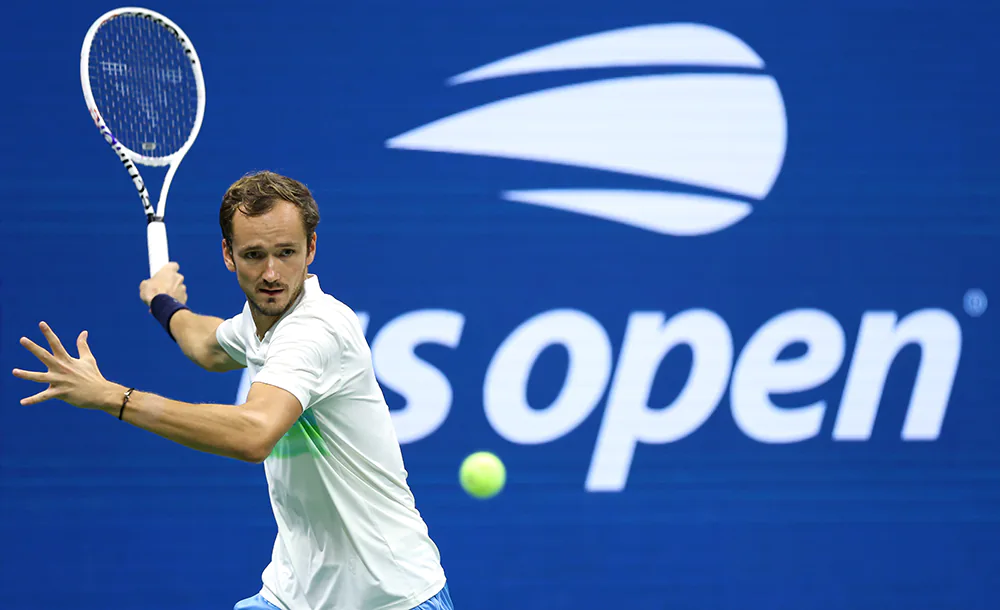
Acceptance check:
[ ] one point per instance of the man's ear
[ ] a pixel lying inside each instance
(227, 255)
(311, 249)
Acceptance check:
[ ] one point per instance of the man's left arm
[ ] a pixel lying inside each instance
(246, 432)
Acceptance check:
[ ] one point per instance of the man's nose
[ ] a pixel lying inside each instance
(270, 273)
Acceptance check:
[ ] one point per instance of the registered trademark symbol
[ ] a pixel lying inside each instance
(975, 302)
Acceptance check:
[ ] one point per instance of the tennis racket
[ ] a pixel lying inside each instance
(144, 88)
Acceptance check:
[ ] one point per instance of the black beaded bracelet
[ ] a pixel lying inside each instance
(128, 393)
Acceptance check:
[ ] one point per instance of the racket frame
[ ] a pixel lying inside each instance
(156, 232)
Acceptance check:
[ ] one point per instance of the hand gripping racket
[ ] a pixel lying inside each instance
(144, 88)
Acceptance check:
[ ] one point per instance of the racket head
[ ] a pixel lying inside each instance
(143, 84)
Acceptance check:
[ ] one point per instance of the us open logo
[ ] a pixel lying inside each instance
(710, 135)
(722, 136)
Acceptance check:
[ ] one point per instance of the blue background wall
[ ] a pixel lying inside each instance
(886, 201)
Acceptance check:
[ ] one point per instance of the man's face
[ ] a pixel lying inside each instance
(270, 255)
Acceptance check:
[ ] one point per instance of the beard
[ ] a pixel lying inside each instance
(273, 306)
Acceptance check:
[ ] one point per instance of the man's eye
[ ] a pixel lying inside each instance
(287, 252)
(252, 255)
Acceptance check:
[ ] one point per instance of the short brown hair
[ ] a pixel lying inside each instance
(256, 193)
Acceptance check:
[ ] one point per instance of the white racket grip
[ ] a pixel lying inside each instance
(156, 239)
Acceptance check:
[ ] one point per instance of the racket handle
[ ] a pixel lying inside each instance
(156, 239)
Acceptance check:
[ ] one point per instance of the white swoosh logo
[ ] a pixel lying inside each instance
(669, 44)
(723, 132)
(680, 214)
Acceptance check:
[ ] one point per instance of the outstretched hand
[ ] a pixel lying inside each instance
(77, 381)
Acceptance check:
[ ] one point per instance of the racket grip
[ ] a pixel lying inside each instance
(156, 239)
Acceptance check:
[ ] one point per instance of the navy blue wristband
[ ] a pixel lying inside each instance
(163, 307)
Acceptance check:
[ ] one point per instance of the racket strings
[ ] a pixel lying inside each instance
(143, 84)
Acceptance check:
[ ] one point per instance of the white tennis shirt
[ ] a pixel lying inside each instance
(349, 534)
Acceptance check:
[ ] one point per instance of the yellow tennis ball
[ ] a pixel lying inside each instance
(482, 475)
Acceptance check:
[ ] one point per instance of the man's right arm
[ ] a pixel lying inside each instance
(195, 334)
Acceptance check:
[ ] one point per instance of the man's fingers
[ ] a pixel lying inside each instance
(40, 352)
(32, 375)
(168, 269)
(40, 397)
(83, 348)
(54, 342)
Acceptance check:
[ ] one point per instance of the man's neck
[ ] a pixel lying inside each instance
(262, 323)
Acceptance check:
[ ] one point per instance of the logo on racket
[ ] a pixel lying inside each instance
(710, 125)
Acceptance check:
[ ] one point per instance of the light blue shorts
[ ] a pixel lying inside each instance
(441, 601)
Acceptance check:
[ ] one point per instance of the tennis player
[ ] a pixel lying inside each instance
(349, 534)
